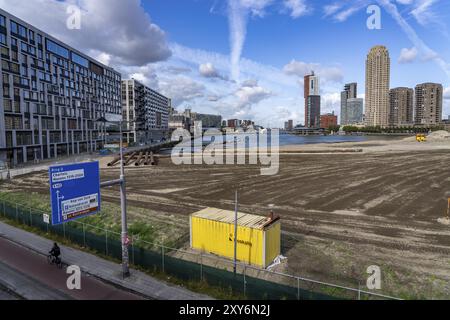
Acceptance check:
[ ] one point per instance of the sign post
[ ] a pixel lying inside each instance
(74, 191)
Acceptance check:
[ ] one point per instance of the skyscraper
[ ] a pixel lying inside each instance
(378, 65)
(312, 100)
(429, 103)
(350, 92)
(401, 106)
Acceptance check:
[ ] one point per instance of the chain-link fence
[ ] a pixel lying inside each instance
(248, 281)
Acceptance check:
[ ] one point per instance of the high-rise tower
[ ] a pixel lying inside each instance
(312, 101)
(378, 65)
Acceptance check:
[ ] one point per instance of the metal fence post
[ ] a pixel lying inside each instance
(162, 251)
(84, 235)
(298, 288)
(359, 291)
(106, 239)
(17, 213)
(245, 283)
(132, 248)
(31, 219)
(64, 230)
(201, 266)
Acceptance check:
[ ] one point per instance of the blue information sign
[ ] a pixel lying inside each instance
(74, 191)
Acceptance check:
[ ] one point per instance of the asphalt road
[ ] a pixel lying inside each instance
(30, 274)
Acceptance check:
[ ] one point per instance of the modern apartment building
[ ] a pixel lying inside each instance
(146, 113)
(401, 106)
(186, 120)
(312, 100)
(208, 120)
(355, 111)
(51, 95)
(378, 66)
(350, 92)
(429, 97)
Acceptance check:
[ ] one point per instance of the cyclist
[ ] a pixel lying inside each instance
(55, 252)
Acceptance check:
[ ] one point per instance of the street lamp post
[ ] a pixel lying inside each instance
(123, 202)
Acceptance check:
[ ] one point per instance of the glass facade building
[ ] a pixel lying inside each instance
(146, 113)
(51, 95)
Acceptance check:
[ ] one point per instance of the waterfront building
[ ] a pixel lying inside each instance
(146, 113)
(355, 111)
(312, 100)
(429, 97)
(350, 92)
(377, 87)
(401, 106)
(51, 95)
(328, 120)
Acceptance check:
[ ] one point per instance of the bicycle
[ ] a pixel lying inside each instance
(52, 260)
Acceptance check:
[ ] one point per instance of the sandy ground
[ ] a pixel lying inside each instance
(341, 212)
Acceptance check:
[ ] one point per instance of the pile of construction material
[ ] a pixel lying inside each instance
(440, 135)
(141, 158)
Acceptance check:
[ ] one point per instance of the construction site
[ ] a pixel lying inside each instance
(343, 207)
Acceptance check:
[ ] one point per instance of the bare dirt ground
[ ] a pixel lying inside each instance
(341, 213)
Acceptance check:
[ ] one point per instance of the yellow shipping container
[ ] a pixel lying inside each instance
(258, 241)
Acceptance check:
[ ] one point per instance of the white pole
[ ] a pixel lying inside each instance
(235, 231)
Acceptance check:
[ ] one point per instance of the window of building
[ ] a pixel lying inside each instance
(22, 31)
(57, 49)
(3, 39)
(4, 52)
(80, 60)
(2, 21)
(14, 28)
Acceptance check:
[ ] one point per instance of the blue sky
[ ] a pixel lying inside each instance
(246, 58)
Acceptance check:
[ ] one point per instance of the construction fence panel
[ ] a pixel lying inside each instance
(247, 282)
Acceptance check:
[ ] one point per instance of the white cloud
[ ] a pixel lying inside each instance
(331, 102)
(297, 8)
(331, 9)
(208, 70)
(181, 89)
(300, 69)
(251, 93)
(238, 11)
(424, 50)
(423, 12)
(447, 93)
(408, 55)
(116, 30)
(177, 70)
(340, 11)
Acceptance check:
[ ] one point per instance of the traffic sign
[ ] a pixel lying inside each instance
(74, 191)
